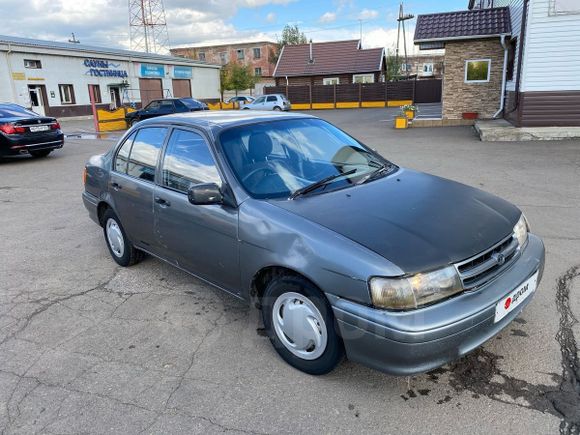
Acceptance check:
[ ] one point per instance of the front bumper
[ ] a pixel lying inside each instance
(405, 343)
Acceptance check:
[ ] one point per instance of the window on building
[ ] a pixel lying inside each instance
(363, 78)
(223, 57)
(477, 70)
(511, 65)
(565, 7)
(32, 64)
(257, 71)
(201, 56)
(428, 69)
(96, 93)
(330, 81)
(67, 94)
(240, 53)
(257, 53)
(144, 153)
(406, 67)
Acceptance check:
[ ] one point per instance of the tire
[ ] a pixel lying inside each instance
(133, 122)
(120, 248)
(40, 154)
(293, 291)
(277, 109)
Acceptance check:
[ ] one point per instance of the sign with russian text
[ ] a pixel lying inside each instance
(182, 72)
(152, 70)
(104, 68)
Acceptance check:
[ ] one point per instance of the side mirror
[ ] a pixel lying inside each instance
(205, 194)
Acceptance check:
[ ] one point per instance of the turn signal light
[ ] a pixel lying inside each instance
(12, 129)
(84, 176)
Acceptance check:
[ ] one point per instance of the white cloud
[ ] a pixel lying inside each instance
(327, 17)
(271, 17)
(368, 14)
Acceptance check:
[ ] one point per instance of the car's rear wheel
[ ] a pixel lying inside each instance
(120, 248)
(40, 153)
(278, 109)
(301, 326)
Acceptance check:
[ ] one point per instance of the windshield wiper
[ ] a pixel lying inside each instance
(375, 174)
(319, 183)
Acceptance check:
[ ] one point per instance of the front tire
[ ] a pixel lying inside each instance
(301, 326)
(40, 154)
(120, 248)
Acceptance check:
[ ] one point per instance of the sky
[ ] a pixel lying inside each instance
(199, 22)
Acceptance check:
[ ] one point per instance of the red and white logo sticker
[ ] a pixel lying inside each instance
(515, 298)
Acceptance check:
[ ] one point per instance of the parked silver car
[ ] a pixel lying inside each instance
(342, 250)
(269, 102)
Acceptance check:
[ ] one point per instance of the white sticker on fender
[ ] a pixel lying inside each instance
(515, 298)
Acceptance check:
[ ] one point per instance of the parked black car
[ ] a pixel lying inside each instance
(23, 131)
(165, 107)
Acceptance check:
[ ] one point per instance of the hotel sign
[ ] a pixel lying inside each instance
(104, 68)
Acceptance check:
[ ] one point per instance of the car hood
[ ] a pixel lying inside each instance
(417, 221)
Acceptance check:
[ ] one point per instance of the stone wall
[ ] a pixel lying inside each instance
(460, 97)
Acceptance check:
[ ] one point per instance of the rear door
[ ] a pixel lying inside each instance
(132, 183)
(271, 102)
(202, 239)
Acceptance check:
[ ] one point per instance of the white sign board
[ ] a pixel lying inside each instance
(567, 6)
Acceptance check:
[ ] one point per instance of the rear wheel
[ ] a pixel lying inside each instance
(301, 326)
(278, 109)
(40, 153)
(120, 248)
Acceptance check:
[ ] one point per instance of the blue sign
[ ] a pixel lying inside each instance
(152, 70)
(182, 72)
(104, 68)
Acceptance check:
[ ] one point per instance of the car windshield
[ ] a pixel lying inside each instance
(190, 103)
(285, 158)
(12, 110)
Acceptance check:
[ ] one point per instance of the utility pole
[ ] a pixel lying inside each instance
(401, 25)
(148, 26)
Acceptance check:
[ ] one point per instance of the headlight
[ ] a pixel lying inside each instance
(415, 291)
(521, 230)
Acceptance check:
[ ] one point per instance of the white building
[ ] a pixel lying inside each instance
(55, 78)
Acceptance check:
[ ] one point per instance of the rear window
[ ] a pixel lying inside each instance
(191, 103)
(12, 110)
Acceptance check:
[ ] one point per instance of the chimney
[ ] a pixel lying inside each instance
(311, 60)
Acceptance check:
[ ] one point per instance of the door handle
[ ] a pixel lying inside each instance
(162, 202)
(116, 186)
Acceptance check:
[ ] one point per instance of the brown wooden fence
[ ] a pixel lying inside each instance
(359, 94)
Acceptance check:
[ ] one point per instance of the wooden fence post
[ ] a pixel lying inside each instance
(386, 94)
(360, 95)
(335, 95)
(414, 90)
(310, 94)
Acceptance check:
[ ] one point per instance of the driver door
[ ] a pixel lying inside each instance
(202, 239)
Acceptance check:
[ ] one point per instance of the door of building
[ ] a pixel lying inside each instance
(37, 99)
(115, 94)
(181, 88)
(150, 89)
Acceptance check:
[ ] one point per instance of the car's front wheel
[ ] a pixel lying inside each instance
(301, 326)
(120, 248)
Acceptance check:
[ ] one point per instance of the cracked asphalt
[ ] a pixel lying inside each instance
(88, 347)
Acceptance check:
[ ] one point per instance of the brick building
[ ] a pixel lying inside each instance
(329, 63)
(257, 55)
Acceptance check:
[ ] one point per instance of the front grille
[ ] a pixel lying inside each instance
(485, 266)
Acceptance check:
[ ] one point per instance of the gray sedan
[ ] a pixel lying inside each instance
(343, 251)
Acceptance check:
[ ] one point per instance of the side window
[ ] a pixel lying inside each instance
(272, 98)
(152, 107)
(260, 100)
(187, 162)
(166, 107)
(143, 158)
(122, 156)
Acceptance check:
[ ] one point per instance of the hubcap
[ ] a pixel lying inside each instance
(115, 238)
(299, 325)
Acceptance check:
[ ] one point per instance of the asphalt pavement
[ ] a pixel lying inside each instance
(88, 347)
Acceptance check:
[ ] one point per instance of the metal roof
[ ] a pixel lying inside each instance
(471, 24)
(83, 48)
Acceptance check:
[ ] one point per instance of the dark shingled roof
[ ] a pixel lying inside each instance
(336, 57)
(483, 23)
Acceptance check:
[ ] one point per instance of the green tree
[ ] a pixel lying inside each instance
(291, 35)
(237, 77)
(393, 66)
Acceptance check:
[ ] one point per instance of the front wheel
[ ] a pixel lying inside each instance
(40, 154)
(301, 326)
(120, 248)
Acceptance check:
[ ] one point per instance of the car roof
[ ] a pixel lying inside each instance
(219, 119)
